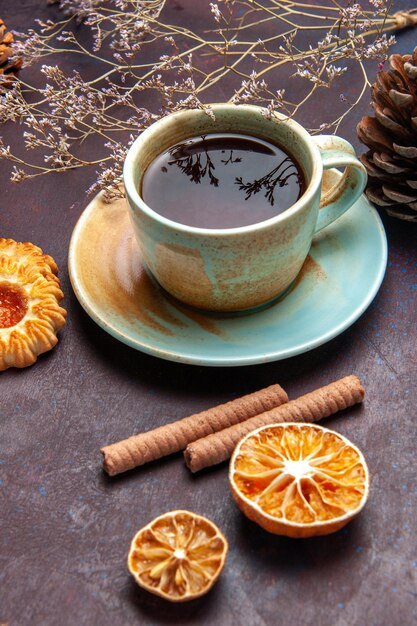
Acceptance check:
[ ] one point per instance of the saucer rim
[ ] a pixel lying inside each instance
(227, 361)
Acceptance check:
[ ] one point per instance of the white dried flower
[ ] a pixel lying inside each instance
(145, 67)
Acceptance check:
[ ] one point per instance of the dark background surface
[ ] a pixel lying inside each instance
(66, 527)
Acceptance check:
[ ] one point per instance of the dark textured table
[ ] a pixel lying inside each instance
(66, 527)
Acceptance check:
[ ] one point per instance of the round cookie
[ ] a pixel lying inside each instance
(30, 315)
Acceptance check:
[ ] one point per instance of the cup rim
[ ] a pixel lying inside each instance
(158, 127)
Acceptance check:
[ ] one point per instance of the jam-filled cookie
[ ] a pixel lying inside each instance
(30, 315)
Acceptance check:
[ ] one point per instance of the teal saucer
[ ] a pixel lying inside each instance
(337, 283)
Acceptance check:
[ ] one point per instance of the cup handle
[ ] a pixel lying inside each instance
(336, 152)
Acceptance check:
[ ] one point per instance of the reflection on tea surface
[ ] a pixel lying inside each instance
(222, 181)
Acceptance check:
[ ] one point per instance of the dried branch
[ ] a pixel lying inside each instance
(251, 43)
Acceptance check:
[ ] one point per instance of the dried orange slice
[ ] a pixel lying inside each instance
(178, 556)
(298, 480)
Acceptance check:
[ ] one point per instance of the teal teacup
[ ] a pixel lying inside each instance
(236, 269)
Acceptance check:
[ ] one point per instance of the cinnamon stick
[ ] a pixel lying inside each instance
(173, 437)
(311, 407)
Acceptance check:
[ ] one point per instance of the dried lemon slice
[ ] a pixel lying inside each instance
(178, 556)
(298, 480)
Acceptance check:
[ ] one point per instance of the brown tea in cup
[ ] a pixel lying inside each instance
(244, 262)
(222, 180)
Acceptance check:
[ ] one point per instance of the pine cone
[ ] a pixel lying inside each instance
(391, 137)
(7, 66)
